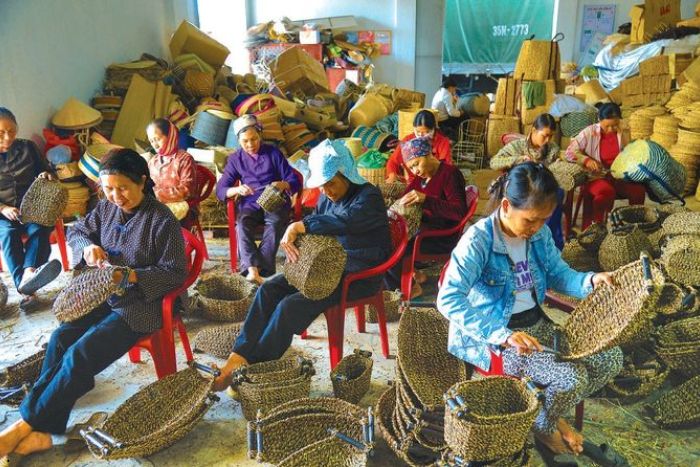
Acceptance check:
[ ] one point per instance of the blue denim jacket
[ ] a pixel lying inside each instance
(478, 291)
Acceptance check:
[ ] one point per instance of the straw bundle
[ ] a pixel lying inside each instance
(497, 126)
(86, 291)
(621, 247)
(679, 407)
(225, 297)
(580, 258)
(611, 316)
(392, 307)
(217, 340)
(319, 269)
(642, 121)
(43, 202)
(681, 257)
(351, 377)
(412, 214)
(568, 175)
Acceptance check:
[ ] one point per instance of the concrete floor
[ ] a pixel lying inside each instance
(219, 440)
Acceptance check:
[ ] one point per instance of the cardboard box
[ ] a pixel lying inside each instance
(294, 70)
(309, 36)
(649, 16)
(190, 39)
(678, 62)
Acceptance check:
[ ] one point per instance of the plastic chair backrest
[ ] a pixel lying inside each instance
(206, 181)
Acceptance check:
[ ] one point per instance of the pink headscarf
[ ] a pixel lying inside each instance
(169, 148)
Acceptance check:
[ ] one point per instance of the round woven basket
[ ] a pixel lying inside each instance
(23, 373)
(199, 83)
(500, 413)
(579, 258)
(682, 223)
(568, 174)
(43, 202)
(678, 345)
(85, 292)
(371, 137)
(591, 238)
(217, 340)
(680, 407)
(210, 129)
(668, 209)
(611, 316)
(271, 199)
(647, 218)
(392, 307)
(638, 378)
(621, 247)
(412, 215)
(681, 258)
(373, 176)
(319, 269)
(352, 375)
(225, 297)
(354, 145)
(143, 426)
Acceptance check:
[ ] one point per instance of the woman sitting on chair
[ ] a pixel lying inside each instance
(173, 170)
(350, 209)
(424, 126)
(537, 146)
(491, 294)
(129, 228)
(596, 148)
(256, 165)
(439, 187)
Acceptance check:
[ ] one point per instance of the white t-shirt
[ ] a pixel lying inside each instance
(516, 248)
(445, 104)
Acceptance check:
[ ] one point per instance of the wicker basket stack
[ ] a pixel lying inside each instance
(642, 121)
(665, 130)
(687, 152)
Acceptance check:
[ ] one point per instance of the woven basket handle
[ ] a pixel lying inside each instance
(689, 300)
(646, 270)
(651, 174)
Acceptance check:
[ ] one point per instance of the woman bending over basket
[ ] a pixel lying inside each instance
(350, 209)
(491, 294)
(129, 228)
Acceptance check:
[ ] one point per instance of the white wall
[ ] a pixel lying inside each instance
(430, 22)
(54, 50)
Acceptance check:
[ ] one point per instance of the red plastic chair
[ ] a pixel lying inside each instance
(206, 181)
(335, 316)
(231, 211)
(58, 236)
(408, 267)
(497, 359)
(161, 344)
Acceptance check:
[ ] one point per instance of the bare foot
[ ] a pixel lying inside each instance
(35, 442)
(254, 276)
(13, 435)
(571, 437)
(416, 291)
(233, 363)
(420, 277)
(554, 442)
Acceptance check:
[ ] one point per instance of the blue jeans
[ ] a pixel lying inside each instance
(76, 353)
(554, 222)
(19, 255)
(279, 311)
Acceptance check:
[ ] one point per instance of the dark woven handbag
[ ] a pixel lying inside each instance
(641, 375)
(680, 407)
(351, 377)
(622, 246)
(217, 340)
(647, 218)
(87, 290)
(317, 272)
(681, 257)
(43, 203)
(271, 199)
(16, 380)
(590, 240)
(225, 297)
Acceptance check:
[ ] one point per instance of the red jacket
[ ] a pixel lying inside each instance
(441, 150)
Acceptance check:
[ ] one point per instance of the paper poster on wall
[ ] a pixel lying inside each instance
(383, 38)
(365, 36)
(596, 19)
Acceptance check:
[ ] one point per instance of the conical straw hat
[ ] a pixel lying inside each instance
(75, 115)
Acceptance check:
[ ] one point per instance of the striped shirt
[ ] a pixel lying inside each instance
(150, 242)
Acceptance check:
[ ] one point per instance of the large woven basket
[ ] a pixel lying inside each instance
(579, 258)
(352, 375)
(680, 407)
(681, 257)
(591, 238)
(499, 414)
(16, 380)
(43, 202)
(497, 126)
(217, 340)
(264, 386)
(319, 269)
(568, 174)
(86, 291)
(210, 128)
(678, 345)
(639, 377)
(154, 418)
(374, 138)
(412, 214)
(621, 247)
(392, 191)
(668, 209)
(225, 297)
(373, 176)
(573, 122)
(271, 199)
(392, 307)
(612, 316)
(682, 223)
(647, 218)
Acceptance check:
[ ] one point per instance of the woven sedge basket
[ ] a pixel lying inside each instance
(393, 190)
(373, 176)
(635, 382)
(519, 459)
(568, 174)
(225, 297)
(392, 307)
(497, 126)
(271, 199)
(145, 425)
(685, 361)
(217, 340)
(680, 407)
(573, 122)
(329, 451)
(263, 386)
(4, 293)
(681, 258)
(422, 347)
(500, 414)
(210, 129)
(579, 258)
(85, 292)
(611, 316)
(23, 373)
(43, 202)
(671, 299)
(682, 223)
(622, 247)
(412, 215)
(199, 83)
(678, 345)
(591, 238)
(352, 375)
(647, 218)
(319, 269)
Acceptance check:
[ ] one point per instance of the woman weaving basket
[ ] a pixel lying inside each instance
(537, 146)
(129, 228)
(439, 188)
(172, 170)
(596, 148)
(424, 126)
(349, 209)
(20, 163)
(255, 166)
(495, 281)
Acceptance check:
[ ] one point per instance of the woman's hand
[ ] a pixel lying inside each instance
(523, 343)
(281, 186)
(46, 176)
(412, 197)
(592, 165)
(602, 278)
(12, 214)
(118, 276)
(94, 256)
(288, 239)
(240, 190)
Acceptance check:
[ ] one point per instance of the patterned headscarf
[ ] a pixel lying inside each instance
(417, 147)
(169, 148)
